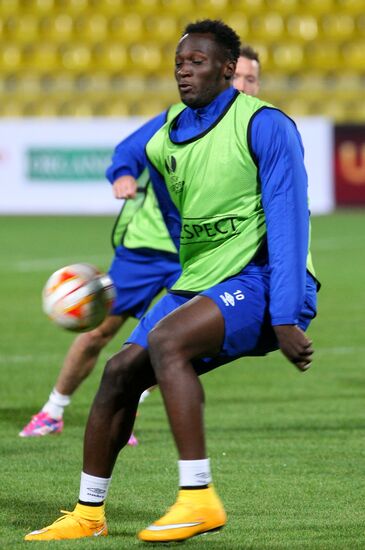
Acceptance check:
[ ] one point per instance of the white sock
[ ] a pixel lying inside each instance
(193, 473)
(93, 489)
(56, 404)
(144, 395)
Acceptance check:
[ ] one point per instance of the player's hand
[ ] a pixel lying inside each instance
(125, 187)
(295, 345)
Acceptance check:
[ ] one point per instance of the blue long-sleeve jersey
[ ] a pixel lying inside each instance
(277, 149)
(129, 157)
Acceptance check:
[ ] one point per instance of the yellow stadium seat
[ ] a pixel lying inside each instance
(239, 22)
(91, 27)
(127, 28)
(11, 108)
(8, 7)
(149, 107)
(318, 6)
(161, 27)
(284, 6)
(146, 57)
(41, 6)
(353, 55)
(113, 107)
(302, 27)
(76, 107)
(110, 56)
(57, 28)
(213, 8)
(360, 25)
(146, 6)
(267, 26)
(288, 57)
(337, 26)
(72, 6)
(11, 57)
(42, 57)
(249, 6)
(177, 7)
(297, 107)
(351, 6)
(76, 57)
(23, 28)
(323, 55)
(108, 7)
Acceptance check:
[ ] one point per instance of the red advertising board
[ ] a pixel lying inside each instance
(350, 165)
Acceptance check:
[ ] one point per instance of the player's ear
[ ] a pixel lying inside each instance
(229, 69)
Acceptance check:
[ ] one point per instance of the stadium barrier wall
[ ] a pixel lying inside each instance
(350, 165)
(57, 166)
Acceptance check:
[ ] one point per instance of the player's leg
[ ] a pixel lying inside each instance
(194, 330)
(109, 426)
(78, 364)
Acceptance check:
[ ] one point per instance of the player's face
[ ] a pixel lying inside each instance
(247, 76)
(201, 70)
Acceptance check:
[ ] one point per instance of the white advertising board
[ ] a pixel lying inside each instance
(56, 166)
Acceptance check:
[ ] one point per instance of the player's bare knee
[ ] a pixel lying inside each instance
(164, 349)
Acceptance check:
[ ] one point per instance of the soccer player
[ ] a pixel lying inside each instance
(145, 262)
(229, 176)
(246, 77)
(147, 233)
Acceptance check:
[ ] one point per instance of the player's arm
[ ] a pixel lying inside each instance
(277, 147)
(129, 159)
(169, 211)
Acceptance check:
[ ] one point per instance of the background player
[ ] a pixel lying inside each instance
(128, 162)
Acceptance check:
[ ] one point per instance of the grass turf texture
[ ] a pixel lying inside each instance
(287, 449)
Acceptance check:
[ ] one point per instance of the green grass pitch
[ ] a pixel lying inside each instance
(287, 449)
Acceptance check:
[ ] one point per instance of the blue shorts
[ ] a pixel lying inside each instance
(244, 303)
(139, 275)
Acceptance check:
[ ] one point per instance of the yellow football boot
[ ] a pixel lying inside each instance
(70, 526)
(196, 511)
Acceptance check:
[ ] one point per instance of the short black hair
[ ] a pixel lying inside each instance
(223, 34)
(250, 53)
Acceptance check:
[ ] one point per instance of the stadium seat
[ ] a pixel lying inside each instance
(323, 55)
(76, 57)
(112, 107)
(360, 25)
(110, 56)
(8, 7)
(11, 57)
(284, 6)
(91, 27)
(161, 27)
(351, 6)
(337, 26)
(57, 28)
(127, 28)
(22, 28)
(42, 57)
(213, 8)
(353, 54)
(268, 26)
(302, 27)
(249, 6)
(239, 22)
(39, 7)
(107, 7)
(11, 108)
(315, 7)
(177, 7)
(288, 56)
(73, 6)
(146, 57)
